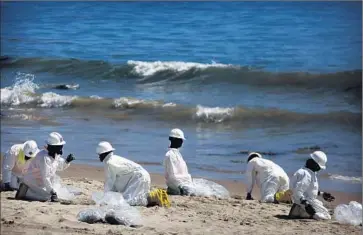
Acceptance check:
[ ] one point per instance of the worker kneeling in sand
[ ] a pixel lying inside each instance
(305, 187)
(177, 177)
(271, 178)
(38, 181)
(15, 162)
(129, 178)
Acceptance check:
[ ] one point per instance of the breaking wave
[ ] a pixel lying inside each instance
(346, 178)
(24, 94)
(172, 71)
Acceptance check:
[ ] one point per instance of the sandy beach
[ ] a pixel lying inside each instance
(188, 215)
(283, 79)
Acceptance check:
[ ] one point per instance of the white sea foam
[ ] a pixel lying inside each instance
(53, 100)
(213, 114)
(96, 97)
(124, 102)
(346, 178)
(150, 68)
(22, 92)
(169, 104)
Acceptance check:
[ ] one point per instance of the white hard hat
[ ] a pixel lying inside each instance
(30, 148)
(177, 133)
(320, 158)
(258, 155)
(55, 138)
(104, 147)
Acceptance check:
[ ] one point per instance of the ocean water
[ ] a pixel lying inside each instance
(274, 77)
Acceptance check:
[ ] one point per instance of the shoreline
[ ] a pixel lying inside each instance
(234, 187)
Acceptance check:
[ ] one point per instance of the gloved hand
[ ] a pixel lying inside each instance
(184, 191)
(308, 208)
(53, 197)
(249, 197)
(328, 197)
(7, 187)
(70, 158)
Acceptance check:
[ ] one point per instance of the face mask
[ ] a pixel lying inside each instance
(175, 143)
(55, 150)
(312, 165)
(102, 156)
(251, 157)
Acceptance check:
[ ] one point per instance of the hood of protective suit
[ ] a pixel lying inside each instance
(14, 164)
(108, 157)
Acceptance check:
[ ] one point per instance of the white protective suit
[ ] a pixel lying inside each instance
(304, 185)
(270, 177)
(127, 177)
(176, 170)
(14, 165)
(40, 175)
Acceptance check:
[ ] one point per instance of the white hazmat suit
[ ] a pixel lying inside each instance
(40, 175)
(15, 163)
(176, 170)
(304, 185)
(128, 178)
(270, 177)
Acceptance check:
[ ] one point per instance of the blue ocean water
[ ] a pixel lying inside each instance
(256, 76)
(278, 36)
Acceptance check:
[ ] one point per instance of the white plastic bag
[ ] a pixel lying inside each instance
(112, 208)
(206, 188)
(349, 214)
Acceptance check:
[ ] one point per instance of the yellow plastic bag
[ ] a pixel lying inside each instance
(284, 196)
(160, 197)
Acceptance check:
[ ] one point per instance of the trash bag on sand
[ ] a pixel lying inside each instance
(206, 188)
(111, 208)
(91, 215)
(64, 192)
(349, 214)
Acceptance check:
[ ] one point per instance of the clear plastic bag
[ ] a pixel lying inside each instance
(108, 198)
(206, 188)
(349, 214)
(112, 208)
(64, 192)
(91, 215)
(74, 190)
(122, 215)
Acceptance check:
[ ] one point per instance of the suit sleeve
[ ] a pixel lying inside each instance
(62, 164)
(45, 171)
(251, 177)
(110, 179)
(9, 163)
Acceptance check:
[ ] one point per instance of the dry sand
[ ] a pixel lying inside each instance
(188, 215)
